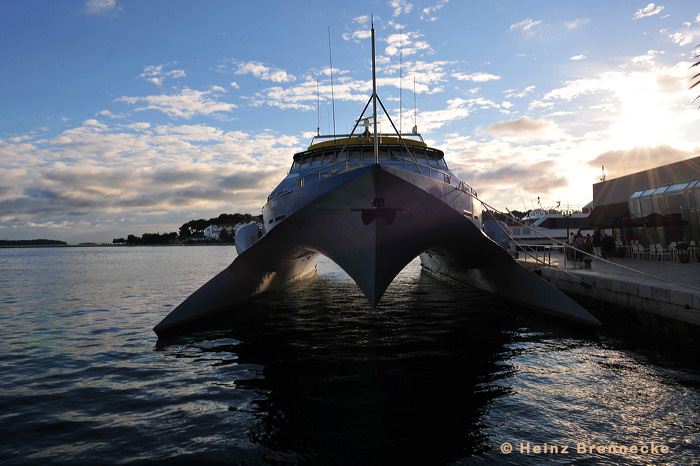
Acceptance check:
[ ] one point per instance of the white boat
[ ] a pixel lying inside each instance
(547, 226)
(371, 203)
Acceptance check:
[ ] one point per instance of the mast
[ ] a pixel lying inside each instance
(374, 98)
(401, 89)
(415, 109)
(330, 59)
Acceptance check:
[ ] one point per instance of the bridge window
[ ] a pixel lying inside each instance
(412, 167)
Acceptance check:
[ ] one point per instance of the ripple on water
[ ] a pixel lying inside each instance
(312, 373)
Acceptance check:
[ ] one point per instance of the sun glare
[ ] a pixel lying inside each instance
(642, 124)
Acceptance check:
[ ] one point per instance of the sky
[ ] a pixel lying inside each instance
(123, 117)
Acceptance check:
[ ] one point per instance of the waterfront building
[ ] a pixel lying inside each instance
(672, 191)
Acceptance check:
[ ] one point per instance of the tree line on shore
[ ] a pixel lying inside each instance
(32, 242)
(192, 231)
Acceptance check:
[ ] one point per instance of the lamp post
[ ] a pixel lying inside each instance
(567, 216)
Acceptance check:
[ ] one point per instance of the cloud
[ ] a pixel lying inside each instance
(527, 26)
(109, 114)
(541, 176)
(476, 77)
(101, 7)
(575, 24)
(649, 10)
(407, 43)
(262, 71)
(578, 57)
(513, 93)
(364, 33)
(623, 162)
(303, 96)
(428, 13)
(457, 109)
(679, 38)
(185, 104)
(94, 173)
(525, 129)
(156, 75)
(400, 7)
(502, 179)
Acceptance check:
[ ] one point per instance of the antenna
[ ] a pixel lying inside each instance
(401, 85)
(415, 111)
(330, 58)
(318, 110)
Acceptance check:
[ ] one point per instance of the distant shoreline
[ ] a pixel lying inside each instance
(107, 245)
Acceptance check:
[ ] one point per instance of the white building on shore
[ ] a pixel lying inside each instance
(214, 231)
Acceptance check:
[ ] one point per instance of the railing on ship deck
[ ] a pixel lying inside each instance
(360, 137)
(342, 166)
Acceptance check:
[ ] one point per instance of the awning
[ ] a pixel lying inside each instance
(657, 220)
(608, 216)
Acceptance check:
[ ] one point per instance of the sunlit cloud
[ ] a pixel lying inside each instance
(185, 104)
(679, 38)
(649, 10)
(406, 43)
(575, 24)
(527, 26)
(623, 162)
(514, 93)
(101, 7)
(156, 75)
(476, 77)
(136, 168)
(262, 71)
(400, 7)
(109, 114)
(428, 13)
(525, 129)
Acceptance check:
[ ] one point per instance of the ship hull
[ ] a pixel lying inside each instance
(372, 222)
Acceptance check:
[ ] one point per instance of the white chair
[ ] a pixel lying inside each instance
(652, 252)
(637, 251)
(661, 252)
(672, 253)
(692, 250)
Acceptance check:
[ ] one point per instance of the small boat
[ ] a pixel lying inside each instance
(371, 203)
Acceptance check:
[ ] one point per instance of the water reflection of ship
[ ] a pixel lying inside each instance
(371, 203)
(350, 385)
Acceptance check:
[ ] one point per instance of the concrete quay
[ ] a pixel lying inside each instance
(664, 298)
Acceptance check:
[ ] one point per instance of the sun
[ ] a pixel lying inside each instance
(642, 124)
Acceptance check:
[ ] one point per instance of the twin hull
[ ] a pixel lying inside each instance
(372, 222)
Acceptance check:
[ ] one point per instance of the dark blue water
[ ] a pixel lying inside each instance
(313, 375)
